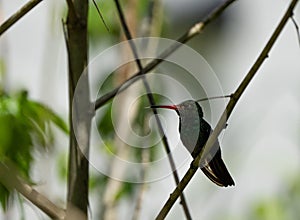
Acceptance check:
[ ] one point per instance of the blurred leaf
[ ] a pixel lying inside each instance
(290, 199)
(269, 210)
(283, 206)
(46, 114)
(24, 127)
(109, 147)
(97, 29)
(98, 182)
(4, 195)
(62, 166)
(143, 9)
(126, 189)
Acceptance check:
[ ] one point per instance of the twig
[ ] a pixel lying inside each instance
(152, 102)
(221, 123)
(297, 28)
(18, 15)
(192, 32)
(214, 97)
(100, 15)
(11, 180)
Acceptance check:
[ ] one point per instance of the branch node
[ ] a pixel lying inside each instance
(196, 29)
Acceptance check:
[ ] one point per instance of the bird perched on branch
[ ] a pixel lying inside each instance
(194, 133)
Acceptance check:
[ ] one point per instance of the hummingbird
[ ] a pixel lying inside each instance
(194, 132)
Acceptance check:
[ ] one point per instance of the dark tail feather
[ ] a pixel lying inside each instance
(217, 172)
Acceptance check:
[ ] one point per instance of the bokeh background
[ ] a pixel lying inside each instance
(261, 144)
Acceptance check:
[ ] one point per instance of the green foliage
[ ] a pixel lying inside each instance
(96, 28)
(105, 125)
(284, 206)
(98, 33)
(4, 195)
(98, 182)
(24, 127)
(62, 162)
(143, 9)
(140, 125)
(269, 210)
(127, 189)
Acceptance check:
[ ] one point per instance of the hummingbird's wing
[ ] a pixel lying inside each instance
(213, 166)
(216, 171)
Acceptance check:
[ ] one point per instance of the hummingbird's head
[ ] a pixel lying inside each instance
(184, 108)
(189, 107)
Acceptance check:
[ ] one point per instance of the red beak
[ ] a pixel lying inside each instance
(173, 107)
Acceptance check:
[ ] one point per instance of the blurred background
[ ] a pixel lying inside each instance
(260, 146)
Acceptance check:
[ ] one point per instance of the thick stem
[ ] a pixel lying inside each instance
(80, 118)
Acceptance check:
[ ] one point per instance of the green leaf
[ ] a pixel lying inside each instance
(53, 117)
(41, 114)
(4, 196)
(24, 127)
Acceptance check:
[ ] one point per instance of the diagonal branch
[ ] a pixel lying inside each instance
(10, 179)
(152, 102)
(192, 32)
(230, 106)
(18, 15)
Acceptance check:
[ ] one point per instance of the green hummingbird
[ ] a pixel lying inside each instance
(194, 132)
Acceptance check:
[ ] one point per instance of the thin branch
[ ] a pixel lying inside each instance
(152, 102)
(192, 32)
(10, 179)
(100, 15)
(297, 28)
(230, 106)
(18, 15)
(214, 97)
